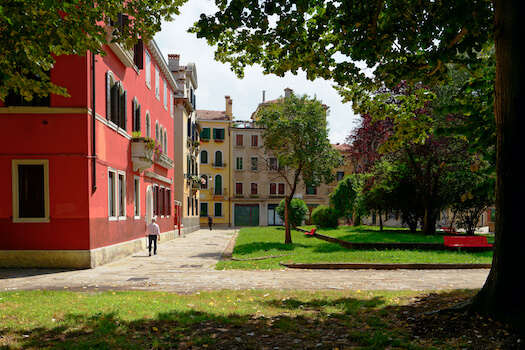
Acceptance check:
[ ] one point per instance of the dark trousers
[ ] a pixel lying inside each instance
(152, 239)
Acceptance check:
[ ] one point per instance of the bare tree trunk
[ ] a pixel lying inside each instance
(287, 230)
(502, 295)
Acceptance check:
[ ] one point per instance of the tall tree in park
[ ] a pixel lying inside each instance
(413, 40)
(295, 132)
(32, 33)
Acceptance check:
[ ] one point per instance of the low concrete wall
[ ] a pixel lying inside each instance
(75, 259)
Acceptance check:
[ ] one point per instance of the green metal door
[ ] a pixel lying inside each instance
(246, 215)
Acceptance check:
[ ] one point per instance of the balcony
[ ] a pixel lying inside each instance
(219, 193)
(218, 165)
(125, 56)
(141, 155)
(164, 161)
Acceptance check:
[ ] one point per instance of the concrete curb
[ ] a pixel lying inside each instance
(352, 266)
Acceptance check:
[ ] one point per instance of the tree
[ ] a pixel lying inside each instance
(298, 211)
(413, 40)
(295, 132)
(33, 33)
(343, 197)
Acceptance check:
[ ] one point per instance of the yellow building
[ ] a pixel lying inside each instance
(215, 167)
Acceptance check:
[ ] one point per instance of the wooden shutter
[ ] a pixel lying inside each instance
(138, 54)
(123, 111)
(108, 96)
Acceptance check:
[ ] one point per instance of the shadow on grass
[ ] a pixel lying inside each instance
(250, 248)
(307, 324)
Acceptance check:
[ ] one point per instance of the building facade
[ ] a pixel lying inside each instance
(186, 146)
(215, 165)
(83, 175)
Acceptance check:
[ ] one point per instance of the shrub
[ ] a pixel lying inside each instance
(324, 216)
(298, 211)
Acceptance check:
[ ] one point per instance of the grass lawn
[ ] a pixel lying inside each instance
(240, 320)
(261, 242)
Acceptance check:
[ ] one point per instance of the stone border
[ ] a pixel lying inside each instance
(352, 266)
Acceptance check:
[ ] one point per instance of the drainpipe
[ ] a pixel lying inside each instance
(94, 126)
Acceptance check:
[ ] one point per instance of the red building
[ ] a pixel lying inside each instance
(79, 180)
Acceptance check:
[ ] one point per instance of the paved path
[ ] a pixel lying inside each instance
(185, 265)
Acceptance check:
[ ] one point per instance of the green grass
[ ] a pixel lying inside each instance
(257, 242)
(216, 320)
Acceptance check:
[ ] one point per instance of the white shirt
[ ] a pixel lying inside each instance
(153, 229)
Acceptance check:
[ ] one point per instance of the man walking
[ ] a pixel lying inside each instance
(153, 233)
(210, 221)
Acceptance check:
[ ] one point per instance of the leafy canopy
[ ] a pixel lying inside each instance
(340, 39)
(33, 33)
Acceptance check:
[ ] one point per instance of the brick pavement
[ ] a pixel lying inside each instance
(185, 265)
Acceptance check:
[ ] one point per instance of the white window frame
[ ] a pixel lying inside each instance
(15, 189)
(148, 124)
(242, 188)
(165, 95)
(277, 189)
(148, 69)
(251, 186)
(136, 197)
(112, 200)
(254, 137)
(252, 168)
(207, 157)
(157, 83)
(121, 193)
(239, 161)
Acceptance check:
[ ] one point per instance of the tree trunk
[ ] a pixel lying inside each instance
(502, 295)
(287, 231)
(380, 220)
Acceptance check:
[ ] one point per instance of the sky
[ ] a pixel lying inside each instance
(216, 80)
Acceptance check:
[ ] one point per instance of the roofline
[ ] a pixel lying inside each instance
(163, 65)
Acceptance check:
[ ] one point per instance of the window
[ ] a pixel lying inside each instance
(148, 69)
(273, 163)
(254, 189)
(311, 190)
(239, 142)
(30, 190)
(254, 164)
(218, 134)
(340, 175)
(218, 210)
(138, 54)
(162, 201)
(116, 102)
(204, 209)
(157, 131)
(136, 115)
(239, 188)
(165, 151)
(165, 95)
(238, 163)
(168, 202)
(204, 157)
(136, 197)
(218, 185)
(112, 194)
(171, 104)
(205, 134)
(157, 83)
(218, 159)
(16, 99)
(204, 181)
(277, 189)
(255, 140)
(121, 195)
(148, 125)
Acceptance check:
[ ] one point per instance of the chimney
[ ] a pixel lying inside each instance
(173, 62)
(264, 96)
(288, 92)
(229, 103)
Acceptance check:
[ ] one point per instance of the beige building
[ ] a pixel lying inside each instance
(186, 145)
(215, 165)
(258, 183)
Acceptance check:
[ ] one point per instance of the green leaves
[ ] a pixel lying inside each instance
(33, 33)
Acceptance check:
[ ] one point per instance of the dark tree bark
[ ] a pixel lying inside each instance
(502, 295)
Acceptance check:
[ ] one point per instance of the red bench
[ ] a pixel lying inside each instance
(450, 230)
(311, 233)
(466, 241)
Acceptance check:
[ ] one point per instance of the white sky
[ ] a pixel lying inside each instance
(216, 80)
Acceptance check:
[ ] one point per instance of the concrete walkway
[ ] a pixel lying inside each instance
(185, 265)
